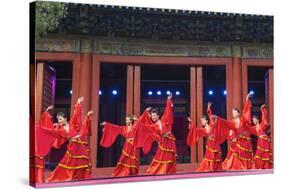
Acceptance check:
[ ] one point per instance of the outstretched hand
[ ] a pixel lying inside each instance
(209, 104)
(170, 96)
(148, 108)
(213, 117)
(135, 118)
(249, 95)
(90, 114)
(263, 106)
(103, 123)
(49, 108)
(80, 100)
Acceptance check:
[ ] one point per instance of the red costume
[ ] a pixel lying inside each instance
(128, 163)
(164, 161)
(46, 137)
(263, 156)
(75, 164)
(212, 160)
(241, 155)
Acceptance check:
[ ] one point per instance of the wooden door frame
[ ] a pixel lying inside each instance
(153, 60)
(74, 58)
(252, 62)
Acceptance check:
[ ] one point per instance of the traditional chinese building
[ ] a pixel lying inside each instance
(123, 59)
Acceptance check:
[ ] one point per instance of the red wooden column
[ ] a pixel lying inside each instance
(95, 107)
(137, 90)
(199, 107)
(85, 81)
(39, 90)
(193, 108)
(130, 90)
(270, 101)
(236, 82)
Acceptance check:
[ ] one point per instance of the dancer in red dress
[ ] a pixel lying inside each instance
(155, 129)
(212, 160)
(75, 164)
(128, 163)
(263, 156)
(47, 135)
(241, 156)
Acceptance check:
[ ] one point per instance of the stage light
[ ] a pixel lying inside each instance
(70, 92)
(100, 93)
(150, 93)
(168, 92)
(159, 92)
(252, 92)
(114, 92)
(178, 93)
(210, 92)
(224, 92)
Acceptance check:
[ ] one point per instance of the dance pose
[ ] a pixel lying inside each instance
(155, 129)
(241, 155)
(212, 160)
(263, 156)
(75, 164)
(47, 135)
(128, 163)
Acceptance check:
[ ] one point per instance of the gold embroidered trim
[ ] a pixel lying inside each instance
(78, 157)
(127, 165)
(126, 154)
(37, 166)
(166, 149)
(211, 160)
(244, 149)
(75, 167)
(263, 159)
(79, 142)
(169, 161)
(264, 138)
(245, 137)
(262, 149)
(212, 150)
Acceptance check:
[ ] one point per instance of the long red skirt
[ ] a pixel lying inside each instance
(75, 164)
(164, 161)
(263, 156)
(212, 160)
(128, 163)
(240, 156)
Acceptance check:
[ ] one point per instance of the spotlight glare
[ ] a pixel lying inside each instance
(168, 92)
(150, 93)
(224, 92)
(100, 93)
(70, 92)
(210, 92)
(159, 92)
(114, 92)
(178, 93)
(252, 92)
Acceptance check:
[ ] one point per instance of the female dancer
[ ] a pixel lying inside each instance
(263, 155)
(160, 130)
(212, 160)
(241, 156)
(128, 163)
(75, 164)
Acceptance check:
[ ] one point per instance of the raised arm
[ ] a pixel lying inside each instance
(167, 116)
(246, 113)
(194, 133)
(45, 120)
(264, 120)
(76, 119)
(86, 129)
(209, 110)
(110, 133)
